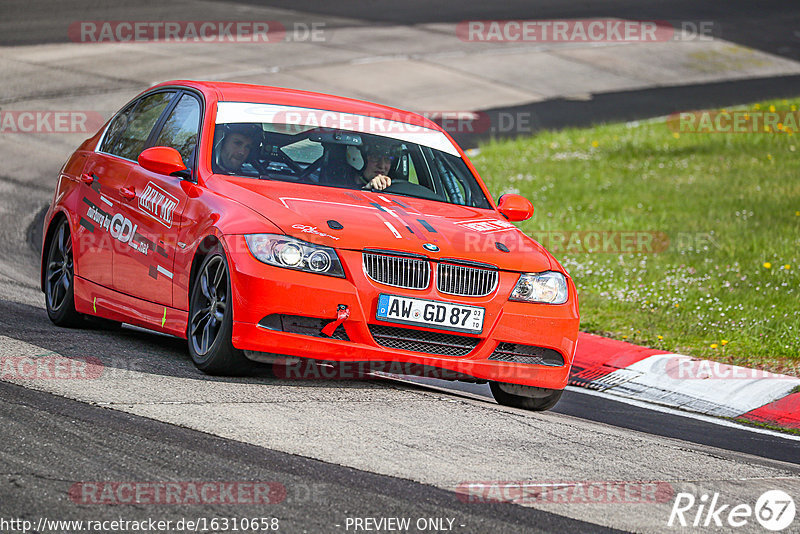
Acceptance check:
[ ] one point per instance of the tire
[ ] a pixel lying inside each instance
(211, 319)
(544, 399)
(59, 279)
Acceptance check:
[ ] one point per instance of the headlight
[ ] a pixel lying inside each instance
(284, 251)
(549, 287)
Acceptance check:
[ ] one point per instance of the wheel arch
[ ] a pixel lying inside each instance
(55, 220)
(204, 248)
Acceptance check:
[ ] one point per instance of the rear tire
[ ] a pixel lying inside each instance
(544, 399)
(59, 279)
(211, 319)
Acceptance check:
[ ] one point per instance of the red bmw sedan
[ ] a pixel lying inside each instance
(278, 225)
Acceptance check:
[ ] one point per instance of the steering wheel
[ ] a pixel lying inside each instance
(403, 187)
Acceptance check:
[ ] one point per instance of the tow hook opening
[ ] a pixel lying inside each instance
(342, 314)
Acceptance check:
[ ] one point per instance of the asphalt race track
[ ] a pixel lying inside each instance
(337, 450)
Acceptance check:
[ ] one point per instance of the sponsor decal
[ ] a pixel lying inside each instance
(155, 269)
(312, 230)
(118, 226)
(98, 216)
(400, 220)
(123, 230)
(158, 204)
(427, 226)
(487, 226)
(392, 229)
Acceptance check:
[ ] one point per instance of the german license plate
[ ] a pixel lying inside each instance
(431, 313)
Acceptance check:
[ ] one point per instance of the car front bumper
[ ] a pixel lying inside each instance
(261, 290)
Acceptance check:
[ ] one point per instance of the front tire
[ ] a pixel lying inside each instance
(59, 279)
(211, 319)
(535, 399)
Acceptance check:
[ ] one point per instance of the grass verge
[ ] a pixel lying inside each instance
(687, 242)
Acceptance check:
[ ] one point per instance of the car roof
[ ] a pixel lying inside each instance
(240, 92)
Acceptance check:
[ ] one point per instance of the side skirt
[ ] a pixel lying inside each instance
(94, 299)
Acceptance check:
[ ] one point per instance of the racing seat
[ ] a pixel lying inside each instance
(335, 169)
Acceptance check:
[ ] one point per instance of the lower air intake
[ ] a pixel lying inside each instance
(512, 352)
(423, 341)
(298, 324)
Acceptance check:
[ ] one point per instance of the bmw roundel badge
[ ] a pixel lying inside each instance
(430, 247)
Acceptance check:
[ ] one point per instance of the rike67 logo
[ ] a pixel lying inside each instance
(774, 510)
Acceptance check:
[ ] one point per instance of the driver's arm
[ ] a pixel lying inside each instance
(379, 183)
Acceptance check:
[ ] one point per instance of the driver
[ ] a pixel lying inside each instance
(380, 155)
(238, 141)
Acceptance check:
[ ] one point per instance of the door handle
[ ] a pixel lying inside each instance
(87, 178)
(128, 193)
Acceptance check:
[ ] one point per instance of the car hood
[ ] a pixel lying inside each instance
(358, 220)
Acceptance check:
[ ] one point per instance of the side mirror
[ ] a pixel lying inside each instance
(515, 207)
(162, 160)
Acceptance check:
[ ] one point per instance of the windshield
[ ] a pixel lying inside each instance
(342, 158)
